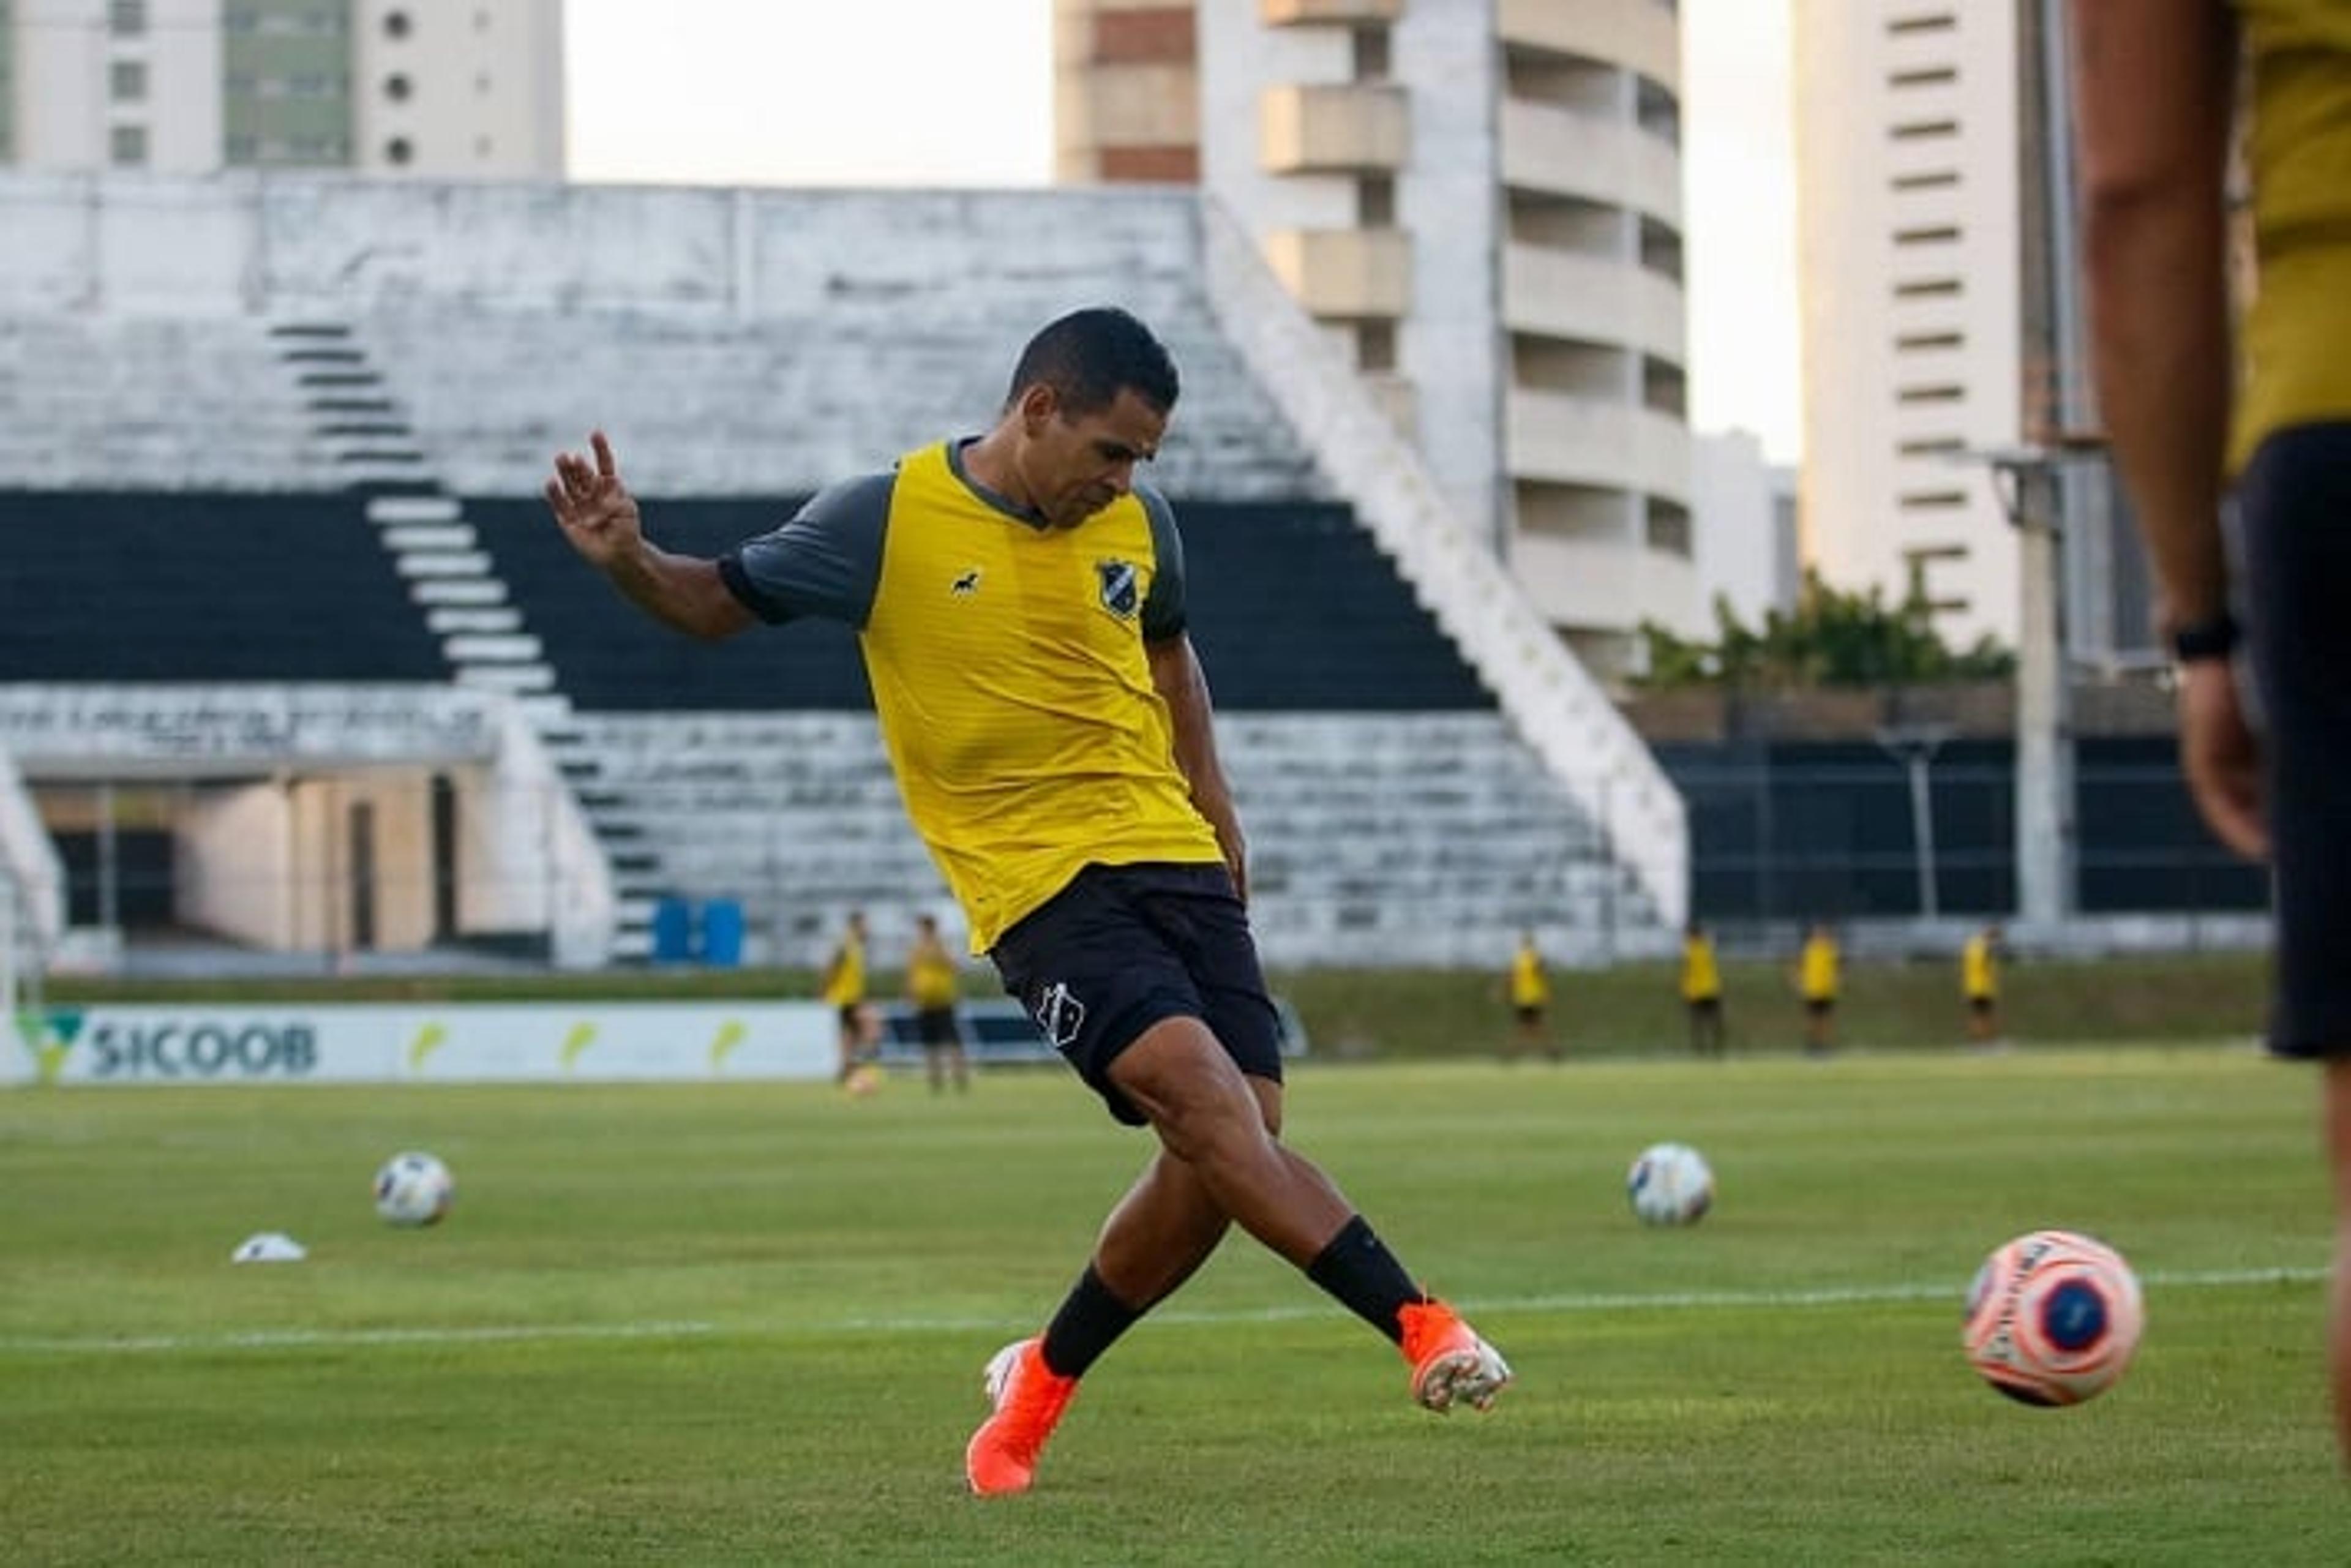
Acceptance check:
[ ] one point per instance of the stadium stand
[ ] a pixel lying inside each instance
(388, 369)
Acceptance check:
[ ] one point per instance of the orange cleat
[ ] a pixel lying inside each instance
(1026, 1399)
(1450, 1363)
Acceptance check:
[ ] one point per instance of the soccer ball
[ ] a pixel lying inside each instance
(2053, 1318)
(865, 1078)
(1671, 1184)
(413, 1188)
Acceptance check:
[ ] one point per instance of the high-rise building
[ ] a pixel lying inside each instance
(1480, 202)
(1911, 277)
(1944, 363)
(444, 89)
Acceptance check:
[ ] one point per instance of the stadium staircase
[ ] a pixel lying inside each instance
(467, 607)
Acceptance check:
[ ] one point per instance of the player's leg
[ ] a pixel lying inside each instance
(2336, 1088)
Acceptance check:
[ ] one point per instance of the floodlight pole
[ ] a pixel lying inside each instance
(2025, 480)
(1915, 746)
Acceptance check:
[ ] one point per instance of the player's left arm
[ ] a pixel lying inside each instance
(1176, 673)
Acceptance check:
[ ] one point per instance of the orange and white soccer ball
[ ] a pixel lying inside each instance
(2053, 1318)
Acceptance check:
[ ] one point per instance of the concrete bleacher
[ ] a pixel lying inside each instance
(744, 349)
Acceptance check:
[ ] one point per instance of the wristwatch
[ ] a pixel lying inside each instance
(2214, 637)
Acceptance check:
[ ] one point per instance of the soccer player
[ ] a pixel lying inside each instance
(931, 987)
(1529, 999)
(1702, 990)
(1020, 600)
(1980, 984)
(2154, 85)
(1817, 967)
(842, 988)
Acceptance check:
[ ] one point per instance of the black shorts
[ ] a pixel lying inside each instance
(1123, 948)
(1820, 1006)
(935, 1027)
(1529, 1014)
(1980, 1004)
(2296, 499)
(1706, 1007)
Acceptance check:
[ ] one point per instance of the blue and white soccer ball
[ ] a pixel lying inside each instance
(1671, 1184)
(413, 1188)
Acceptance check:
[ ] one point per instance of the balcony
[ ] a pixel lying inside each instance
(1558, 294)
(1344, 273)
(1566, 153)
(1354, 129)
(1640, 34)
(1569, 440)
(1595, 584)
(1305, 12)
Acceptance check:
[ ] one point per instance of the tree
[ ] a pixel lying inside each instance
(1834, 638)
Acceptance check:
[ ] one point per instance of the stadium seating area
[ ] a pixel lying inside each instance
(322, 464)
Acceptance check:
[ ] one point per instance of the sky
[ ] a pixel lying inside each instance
(812, 92)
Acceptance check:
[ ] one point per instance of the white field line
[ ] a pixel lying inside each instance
(1627, 1301)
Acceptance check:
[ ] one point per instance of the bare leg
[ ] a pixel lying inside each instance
(2337, 1116)
(1210, 1121)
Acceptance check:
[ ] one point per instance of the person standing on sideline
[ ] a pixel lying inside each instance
(1980, 984)
(1817, 977)
(2155, 89)
(931, 987)
(1702, 990)
(842, 988)
(1019, 604)
(1530, 990)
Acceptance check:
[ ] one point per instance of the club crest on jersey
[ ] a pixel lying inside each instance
(1060, 1014)
(1122, 592)
(965, 586)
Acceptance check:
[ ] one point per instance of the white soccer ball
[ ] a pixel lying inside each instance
(2053, 1318)
(1671, 1184)
(413, 1188)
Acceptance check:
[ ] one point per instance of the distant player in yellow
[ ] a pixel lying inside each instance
(1702, 990)
(1817, 979)
(1980, 984)
(1019, 602)
(931, 987)
(842, 988)
(1530, 1000)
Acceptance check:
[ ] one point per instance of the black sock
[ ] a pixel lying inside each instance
(1088, 1322)
(1358, 1268)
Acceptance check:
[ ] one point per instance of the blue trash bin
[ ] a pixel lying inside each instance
(672, 930)
(722, 933)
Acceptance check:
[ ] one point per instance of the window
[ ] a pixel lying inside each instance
(1666, 527)
(1928, 180)
(1371, 63)
(1909, 341)
(1375, 202)
(397, 87)
(1375, 345)
(399, 151)
(1936, 76)
(1914, 395)
(1925, 130)
(126, 81)
(1927, 289)
(395, 23)
(1939, 234)
(1930, 446)
(128, 146)
(127, 18)
(1926, 22)
(1933, 500)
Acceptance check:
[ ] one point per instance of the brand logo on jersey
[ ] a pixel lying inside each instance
(966, 585)
(1122, 593)
(1060, 1014)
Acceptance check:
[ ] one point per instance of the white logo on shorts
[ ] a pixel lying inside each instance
(1060, 1014)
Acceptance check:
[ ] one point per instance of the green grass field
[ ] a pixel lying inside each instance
(745, 1324)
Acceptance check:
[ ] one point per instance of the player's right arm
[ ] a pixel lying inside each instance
(597, 514)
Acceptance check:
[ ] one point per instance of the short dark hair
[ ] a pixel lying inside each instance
(1089, 356)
